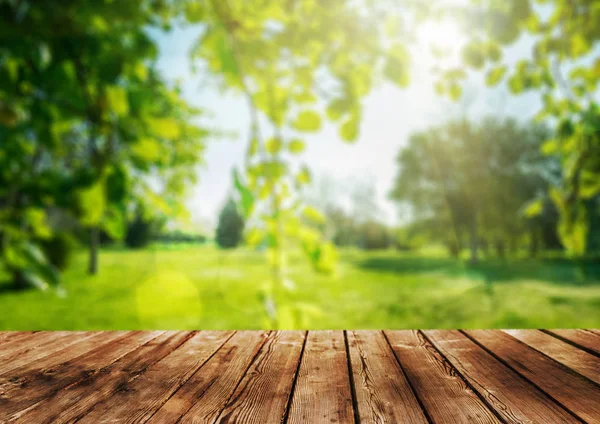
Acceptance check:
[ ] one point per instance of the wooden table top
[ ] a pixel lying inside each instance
(435, 376)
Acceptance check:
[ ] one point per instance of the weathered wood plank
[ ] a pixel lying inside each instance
(444, 394)
(263, 394)
(28, 388)
(383, 393)
(579, 360)
(62, 340)
(6, 336)
(323, 392)
(586, 340)
(571, 390)
(29, 342)
(96, 339)
(202, 398)
(74, 401)
(512, 397)
(137, 400)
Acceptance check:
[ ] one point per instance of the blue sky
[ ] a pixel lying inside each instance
(390, 116)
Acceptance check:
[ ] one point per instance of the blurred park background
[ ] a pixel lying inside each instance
(207, 164)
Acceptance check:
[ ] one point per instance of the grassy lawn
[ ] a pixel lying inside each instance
(184, 287)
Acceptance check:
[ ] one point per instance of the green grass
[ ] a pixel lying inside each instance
(184, 287)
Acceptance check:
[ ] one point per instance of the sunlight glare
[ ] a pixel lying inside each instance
(443, 36)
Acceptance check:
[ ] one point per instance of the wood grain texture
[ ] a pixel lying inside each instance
(205, 394)
(96, 339)
(434, 376)
(137, 400)
(513, 398)
(442, 391)
(6, 336)
(323, 392)
(263, 394)
(17, 394)
(72, 402)
(570, 389)
(586, 340)
(578, 360)
(383, 393)
(57, 342)
(32, 341)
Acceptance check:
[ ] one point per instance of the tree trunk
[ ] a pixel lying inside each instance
(485, 247)
(474, 241)
(514, 248)
(93, 258)
(501, 249)
(18, 279)
(533, 243)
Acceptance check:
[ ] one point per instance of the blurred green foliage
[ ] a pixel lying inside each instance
(473, 185)
(85, 122)
(564, 68)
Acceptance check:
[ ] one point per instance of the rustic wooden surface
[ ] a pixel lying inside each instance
(432, 376)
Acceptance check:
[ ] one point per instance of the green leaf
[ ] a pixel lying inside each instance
(349, 129)
(550, 147)
(337, 108)
(308, 121)
(397, 65)
(534, 208)
(45, 56)
(252, 147)
(140, 71)
(246, 196)
(313, 215)
(303, 177)
(36, 219)
(195, 11)
(35, 280)
(296, 146)
(473, 55)
(147, 149)
(579, 45)
(116, 100)
(164, 128)
(114, 223)
(494, 76)
(255, 236)
(274, 145)
(516, 84)
(92, 204)
(12, 67)
(454, 91)
(326, 258)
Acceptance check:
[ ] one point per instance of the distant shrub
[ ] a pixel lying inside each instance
(179, 236)
(139, 232)
(374, 235)
(230, 228)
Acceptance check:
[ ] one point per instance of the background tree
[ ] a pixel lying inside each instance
(563, 67)
(85, 122)
(477, 181)
(230, 229)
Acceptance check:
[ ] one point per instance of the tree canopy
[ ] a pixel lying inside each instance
(563, 66)
(86, 121)
(476, 180)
